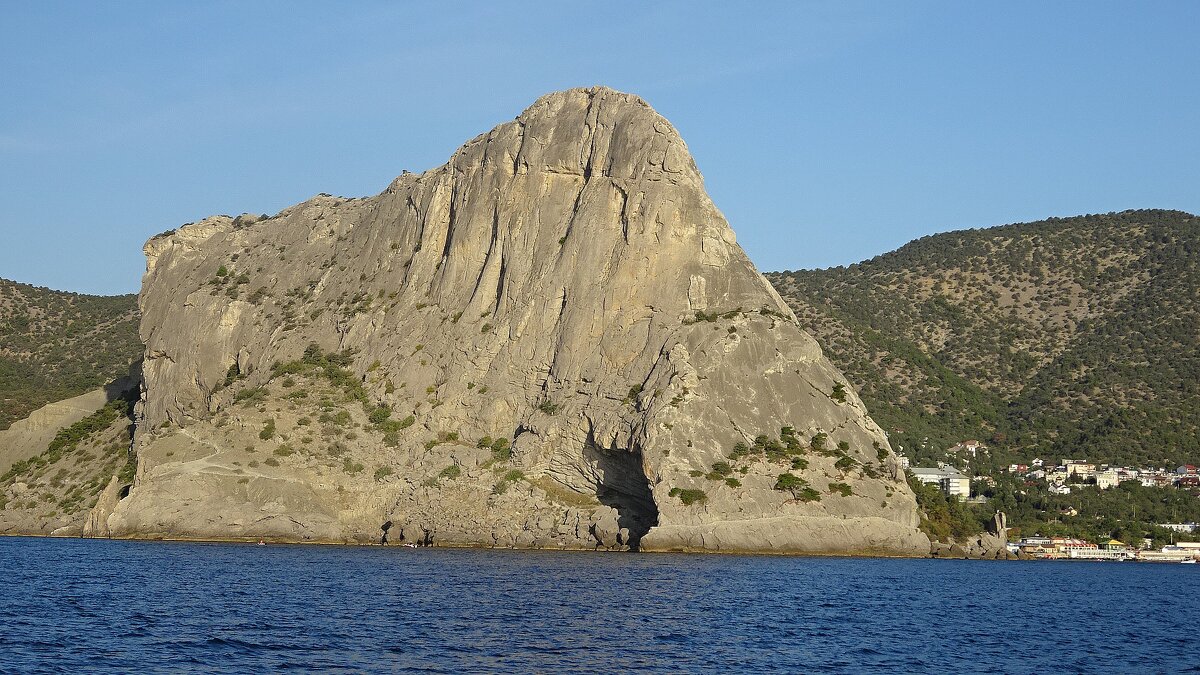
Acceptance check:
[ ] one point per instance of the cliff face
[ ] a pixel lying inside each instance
(564, 287)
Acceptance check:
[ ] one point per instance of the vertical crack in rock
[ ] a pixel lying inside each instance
(624, 211)
(500, 284)
(487, 258)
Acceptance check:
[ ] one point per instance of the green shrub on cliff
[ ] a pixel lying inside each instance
(507, 480)
(818, 441)
(797, 486)
(840, 488)
(845, 463)
(501, 451)
(248, 397)
(379, 415)
(689, 496)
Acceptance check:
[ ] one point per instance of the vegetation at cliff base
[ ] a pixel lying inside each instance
(944, 518)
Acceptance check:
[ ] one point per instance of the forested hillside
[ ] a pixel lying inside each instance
(55, 345)
(1073, 337)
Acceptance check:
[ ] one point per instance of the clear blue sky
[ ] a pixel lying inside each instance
(827, 132)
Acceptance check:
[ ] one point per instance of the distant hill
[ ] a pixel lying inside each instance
(1063, 337)
(55, 345)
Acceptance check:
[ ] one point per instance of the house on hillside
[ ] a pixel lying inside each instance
(1081, 468)
(966, 447)
(1107, 479)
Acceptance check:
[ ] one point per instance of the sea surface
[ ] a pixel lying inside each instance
(87, 606)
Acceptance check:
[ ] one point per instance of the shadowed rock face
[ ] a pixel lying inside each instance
(565, 282)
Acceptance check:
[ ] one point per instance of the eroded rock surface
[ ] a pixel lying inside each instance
(564, 287)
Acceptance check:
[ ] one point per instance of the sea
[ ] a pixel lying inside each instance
(92, 606)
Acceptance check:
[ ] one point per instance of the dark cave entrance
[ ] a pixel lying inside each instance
(624, 487)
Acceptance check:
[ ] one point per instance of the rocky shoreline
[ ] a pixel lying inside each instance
(351, 544)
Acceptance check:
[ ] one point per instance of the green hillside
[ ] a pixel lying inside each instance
(55, 345)
(1064, 337)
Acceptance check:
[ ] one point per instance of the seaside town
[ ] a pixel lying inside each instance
(1063, 478)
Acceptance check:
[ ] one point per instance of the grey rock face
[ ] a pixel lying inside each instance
(563, 282)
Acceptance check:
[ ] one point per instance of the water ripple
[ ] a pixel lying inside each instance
(110, 606)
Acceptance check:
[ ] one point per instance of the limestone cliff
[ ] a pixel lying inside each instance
(551, 341)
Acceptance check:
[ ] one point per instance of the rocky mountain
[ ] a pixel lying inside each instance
(1060, 338)
(56, 345)
(551, 341)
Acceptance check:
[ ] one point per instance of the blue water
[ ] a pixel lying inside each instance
(112, 606)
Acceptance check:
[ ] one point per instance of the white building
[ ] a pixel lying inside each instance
(951, 481)
(1079, 468)
(1107, 479)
